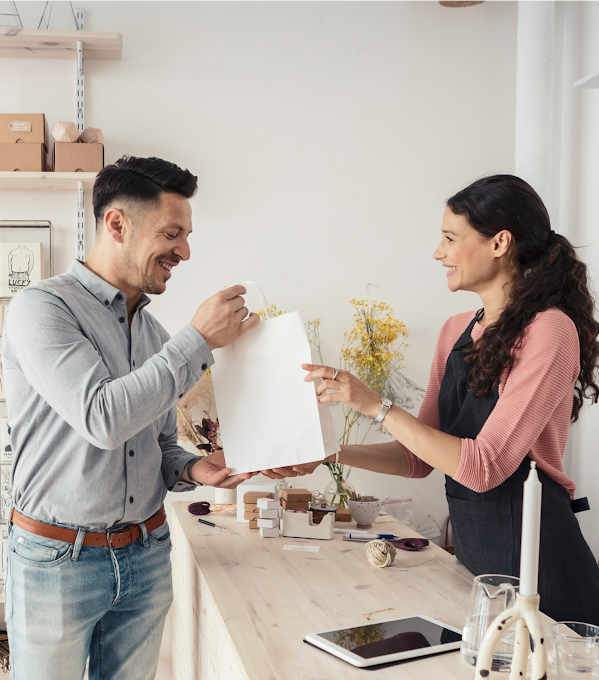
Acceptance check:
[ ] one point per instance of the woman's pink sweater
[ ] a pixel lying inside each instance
(532, 415)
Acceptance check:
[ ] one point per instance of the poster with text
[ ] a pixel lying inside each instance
(6, 452)
(21, 264)
(5, 491)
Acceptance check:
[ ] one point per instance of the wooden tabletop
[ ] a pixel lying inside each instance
(269, 598)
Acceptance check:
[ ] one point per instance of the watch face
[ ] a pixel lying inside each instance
(387, 402)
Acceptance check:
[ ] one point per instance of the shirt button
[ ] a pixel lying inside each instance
(130, 499)
(204, 367)
(122, 319)
(19, 540)
(119, 296)
(106, 302)
(180, 396)
(131, 453)
(134, 362)
(177, 472)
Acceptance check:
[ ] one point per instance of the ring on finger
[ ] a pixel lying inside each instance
(335, 372)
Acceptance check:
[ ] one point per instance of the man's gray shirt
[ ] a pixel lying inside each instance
(92, 404)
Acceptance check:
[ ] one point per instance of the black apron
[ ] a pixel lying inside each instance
(487, 526)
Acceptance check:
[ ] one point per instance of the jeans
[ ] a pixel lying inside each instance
(66, 602)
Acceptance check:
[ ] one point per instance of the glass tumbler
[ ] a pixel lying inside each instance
(562, 631)
(575, 658)
(491, 595)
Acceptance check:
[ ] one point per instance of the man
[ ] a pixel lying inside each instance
(92, 382)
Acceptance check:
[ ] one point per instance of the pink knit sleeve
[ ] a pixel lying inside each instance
(538, 388)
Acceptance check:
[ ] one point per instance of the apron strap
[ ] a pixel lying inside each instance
(580, 505)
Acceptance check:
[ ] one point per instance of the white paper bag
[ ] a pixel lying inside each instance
(269, 417)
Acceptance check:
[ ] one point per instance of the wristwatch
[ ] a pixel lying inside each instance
(188, 467)
(387, 404)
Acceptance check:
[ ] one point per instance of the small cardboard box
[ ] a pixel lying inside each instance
(269, 533)
(76, 157)
(31, 128)
(268, 514)
(295, 495)
(23, 157)
(299, 505)
(253, 524)
(342, 515)
(253, 496)
(250, 507)
(265, 523)
(250, 515)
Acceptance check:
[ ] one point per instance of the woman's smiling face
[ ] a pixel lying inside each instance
(471, 261)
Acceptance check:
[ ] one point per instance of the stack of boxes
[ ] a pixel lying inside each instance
(250, 503)
(24, 141)
(268, 519)
(295, 499)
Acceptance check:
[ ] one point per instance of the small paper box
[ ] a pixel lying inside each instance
(22, 157)
(250, 507)
(76, 157)
(31, 128)
(342, 515)
(250, 515)
(268, 523)
(253, 524)
(267, 504)
(296, 495)
(268, 514)
(253, 496)
(269, 533)
(300, 505)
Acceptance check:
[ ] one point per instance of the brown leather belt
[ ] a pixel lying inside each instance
(115, 540)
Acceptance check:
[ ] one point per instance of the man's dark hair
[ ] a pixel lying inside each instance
(140, 181)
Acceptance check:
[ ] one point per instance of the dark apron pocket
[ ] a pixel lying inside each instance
(483, 535)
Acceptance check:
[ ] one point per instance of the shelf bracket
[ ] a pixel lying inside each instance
(80, 88)
(80, 223)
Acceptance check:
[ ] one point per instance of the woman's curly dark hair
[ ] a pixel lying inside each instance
(548, 274)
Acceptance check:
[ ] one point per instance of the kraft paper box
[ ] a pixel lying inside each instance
(30, 128)
(264, 487)
(253, 496)
(253, 524)
(76, 157)
(295, 495)
(250, 507)
(21, 264)
(295, 505)
(23, 157)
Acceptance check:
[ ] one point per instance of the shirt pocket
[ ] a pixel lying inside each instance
(39, 551)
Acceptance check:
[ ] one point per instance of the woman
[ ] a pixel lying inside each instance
(505, 383)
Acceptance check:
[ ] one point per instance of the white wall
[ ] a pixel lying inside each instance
(326, 137)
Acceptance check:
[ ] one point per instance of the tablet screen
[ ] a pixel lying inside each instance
(391, 637)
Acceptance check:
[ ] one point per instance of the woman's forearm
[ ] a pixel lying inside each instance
(389, 458)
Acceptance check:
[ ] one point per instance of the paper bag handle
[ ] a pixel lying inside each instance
(260, 293)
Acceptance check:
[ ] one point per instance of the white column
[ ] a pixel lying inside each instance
(535, 79)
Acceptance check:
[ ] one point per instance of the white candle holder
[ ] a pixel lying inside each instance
(525, 614)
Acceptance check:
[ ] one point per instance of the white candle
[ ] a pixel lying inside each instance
(531, 534)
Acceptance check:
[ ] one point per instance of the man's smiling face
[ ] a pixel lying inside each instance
(158, 243)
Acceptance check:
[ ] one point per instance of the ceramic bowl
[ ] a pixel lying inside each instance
(364, 512)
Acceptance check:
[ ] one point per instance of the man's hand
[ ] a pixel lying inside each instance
(220, 319)
(212, 471)
(292, 470)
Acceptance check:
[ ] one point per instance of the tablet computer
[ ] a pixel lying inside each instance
(388, 641)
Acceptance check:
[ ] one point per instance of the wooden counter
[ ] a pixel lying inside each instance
(243, 605)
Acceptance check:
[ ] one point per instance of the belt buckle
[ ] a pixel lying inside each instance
(110, 534)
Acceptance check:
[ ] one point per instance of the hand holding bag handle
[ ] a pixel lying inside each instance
(260, 293)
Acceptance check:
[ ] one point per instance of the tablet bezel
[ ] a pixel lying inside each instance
(361, 662)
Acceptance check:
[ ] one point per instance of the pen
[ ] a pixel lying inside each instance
(210, 524)
(366, 537)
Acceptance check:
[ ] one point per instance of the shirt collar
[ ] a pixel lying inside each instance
(100, 289)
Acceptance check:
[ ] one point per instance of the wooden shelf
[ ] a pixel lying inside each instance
(42, 44)
(588, 81)
(46, 181)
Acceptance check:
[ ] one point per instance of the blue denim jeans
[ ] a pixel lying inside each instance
(65, 603)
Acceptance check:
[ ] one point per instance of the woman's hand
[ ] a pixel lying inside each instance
(349, 389)
(212, 471)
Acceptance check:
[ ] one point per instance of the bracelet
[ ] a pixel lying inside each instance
(188, 467)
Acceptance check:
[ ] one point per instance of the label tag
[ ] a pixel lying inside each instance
(19, 126)
(429, 528)
(302, 548)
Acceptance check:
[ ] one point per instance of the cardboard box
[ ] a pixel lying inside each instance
(343, 515)
(295, 495)
(261, 485)
(23, 157)
(253, 496)
(30, 128)
(264, 523)
(268, 514)
(250, 507)
(75, 157)
(300, 505)
(250, 515)
(253, 524)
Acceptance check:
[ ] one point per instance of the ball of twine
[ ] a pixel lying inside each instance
(380, 553)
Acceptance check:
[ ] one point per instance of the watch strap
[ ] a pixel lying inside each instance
(190, 463)
(386, 405)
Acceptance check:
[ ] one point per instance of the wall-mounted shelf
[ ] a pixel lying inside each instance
(588, 81)
(42, 44)
(46, 181)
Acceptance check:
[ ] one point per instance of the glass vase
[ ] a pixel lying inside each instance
(336, 491)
